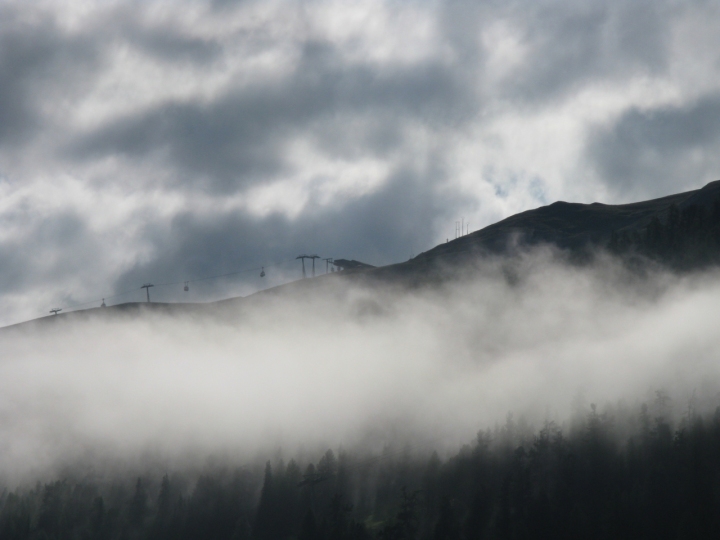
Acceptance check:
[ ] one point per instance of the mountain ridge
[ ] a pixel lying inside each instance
(575, 225)
(572, 227)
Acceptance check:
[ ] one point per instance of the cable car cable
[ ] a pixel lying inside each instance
(186, 282)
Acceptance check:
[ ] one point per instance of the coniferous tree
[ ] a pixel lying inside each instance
(138, 506)
(265, 526)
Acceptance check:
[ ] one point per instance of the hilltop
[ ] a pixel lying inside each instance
(578, 227)
(681, 231)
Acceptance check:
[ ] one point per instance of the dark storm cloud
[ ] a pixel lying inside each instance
(659, 151)
(383, 227)
(240, 138)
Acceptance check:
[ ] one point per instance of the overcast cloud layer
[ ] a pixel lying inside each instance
(167, 141)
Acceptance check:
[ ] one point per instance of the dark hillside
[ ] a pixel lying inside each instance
(575, 226)
(680, 231)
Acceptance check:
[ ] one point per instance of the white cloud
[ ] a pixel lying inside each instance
(353, 367)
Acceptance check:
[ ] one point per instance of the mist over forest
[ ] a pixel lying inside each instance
(369, 409)
(522, 202)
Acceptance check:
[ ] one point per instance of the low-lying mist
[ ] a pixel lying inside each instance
(355, 366)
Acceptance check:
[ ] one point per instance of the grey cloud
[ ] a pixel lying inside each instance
(460, 23)
(380, 228)
(124, 24)
(169, 45)
(228, 4)
(38, 63)
(49, 249)
(209, 146)
(239, 139)
(572, 44)
(659, 151)
(44, 68)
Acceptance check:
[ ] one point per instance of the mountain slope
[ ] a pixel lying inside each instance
(681, 230)
(573, 225)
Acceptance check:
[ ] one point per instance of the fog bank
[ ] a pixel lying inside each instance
(356, 367)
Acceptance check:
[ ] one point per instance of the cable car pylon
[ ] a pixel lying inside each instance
(147, 290)
(302, 259)
(186, 283)
(313, 257)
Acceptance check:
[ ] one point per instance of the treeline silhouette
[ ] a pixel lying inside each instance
(611, 475)
(686, 238)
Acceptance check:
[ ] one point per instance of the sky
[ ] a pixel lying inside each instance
(163, 141)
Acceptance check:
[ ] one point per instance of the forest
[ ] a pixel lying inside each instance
(626, 472)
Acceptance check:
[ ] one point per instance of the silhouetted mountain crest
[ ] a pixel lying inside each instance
(681, 231)
(577, 226)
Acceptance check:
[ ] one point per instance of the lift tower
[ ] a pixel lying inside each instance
(302, 259)
(147, 290)
(313, 257)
